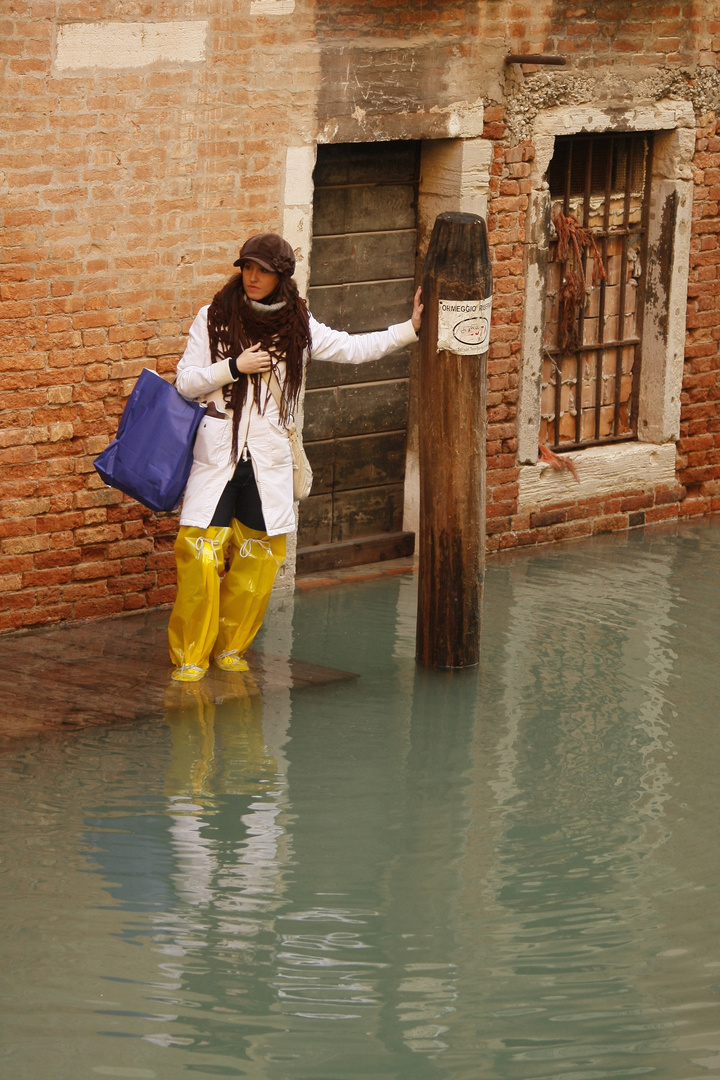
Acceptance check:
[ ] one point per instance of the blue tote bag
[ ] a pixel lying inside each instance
(151, 455)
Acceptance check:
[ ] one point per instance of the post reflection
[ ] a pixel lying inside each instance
(569, 783)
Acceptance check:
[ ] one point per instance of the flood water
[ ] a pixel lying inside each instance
(510, 872)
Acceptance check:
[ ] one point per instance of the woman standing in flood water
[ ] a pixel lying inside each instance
(239, 499)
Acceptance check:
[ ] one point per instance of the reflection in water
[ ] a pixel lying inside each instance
(509, 873)
(217, 749)
(579, 778)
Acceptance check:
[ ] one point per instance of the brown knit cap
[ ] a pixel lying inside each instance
(270, 251)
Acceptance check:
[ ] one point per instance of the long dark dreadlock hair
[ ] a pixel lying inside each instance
(234, 325)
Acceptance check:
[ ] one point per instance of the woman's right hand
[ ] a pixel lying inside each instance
(417, 311)
(254, 360)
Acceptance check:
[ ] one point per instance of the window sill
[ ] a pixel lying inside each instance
(602, 471)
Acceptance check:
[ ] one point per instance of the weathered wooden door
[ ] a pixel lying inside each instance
(362, 278)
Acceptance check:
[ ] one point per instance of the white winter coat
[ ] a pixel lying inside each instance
(198, 377)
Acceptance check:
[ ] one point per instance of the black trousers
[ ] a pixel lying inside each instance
(240, 500)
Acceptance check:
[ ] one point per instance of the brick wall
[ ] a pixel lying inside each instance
(507, 208)
(351, 19)
(699, 460)
(699, 445)
(126, 196)
(126, 192)
(663, 37)
(647, 33)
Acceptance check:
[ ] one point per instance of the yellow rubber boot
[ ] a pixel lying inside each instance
(255, 559)
(193, 626)
(190, 715)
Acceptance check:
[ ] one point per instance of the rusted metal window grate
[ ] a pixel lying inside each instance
(591, 365)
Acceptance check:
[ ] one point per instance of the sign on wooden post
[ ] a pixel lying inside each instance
(452, 394)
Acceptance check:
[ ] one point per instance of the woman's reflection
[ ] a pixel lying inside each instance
(225, 794)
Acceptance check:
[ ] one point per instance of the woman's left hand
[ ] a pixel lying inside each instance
(254, 361)
(416, 317)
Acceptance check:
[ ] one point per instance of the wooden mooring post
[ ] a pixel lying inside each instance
(452, 394)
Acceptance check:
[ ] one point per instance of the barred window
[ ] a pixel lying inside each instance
(599, 187)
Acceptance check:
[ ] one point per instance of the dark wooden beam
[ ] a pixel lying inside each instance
(536, 58)
(366, 549)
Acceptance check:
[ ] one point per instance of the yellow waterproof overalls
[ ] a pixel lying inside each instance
(219, 616)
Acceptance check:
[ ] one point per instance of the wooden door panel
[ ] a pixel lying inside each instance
(316, 515)
(357, 462)
(394, 366)
(321, 456)
(355, 416)
(367, 163)
(365, 209)
(372, 407)
(359, 308)
(337, 411)
(370, 460)
(320, 422)
(372, 256)
(367, 512)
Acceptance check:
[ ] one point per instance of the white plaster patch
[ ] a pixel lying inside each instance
(657, 116)
(112, 45)
(454, 125)
(299, 165)
(531, 375)
(477, 159)
(663, 348)
(602, 470)
(297, 214)
(455, 176)
(297, 227)
(463, 119)
(272, 7)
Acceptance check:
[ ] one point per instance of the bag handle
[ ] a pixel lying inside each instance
(271, 381)
(274, 388)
